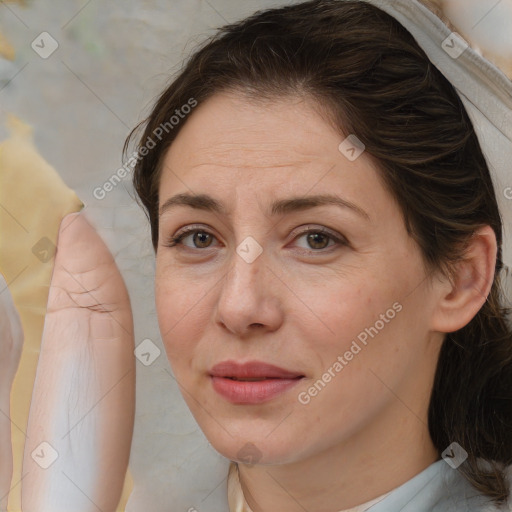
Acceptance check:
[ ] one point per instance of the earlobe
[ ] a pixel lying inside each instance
(461, 297)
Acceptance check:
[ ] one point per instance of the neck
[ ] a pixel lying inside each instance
(379, 458)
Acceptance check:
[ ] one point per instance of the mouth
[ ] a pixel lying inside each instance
(260, 379)
(253, 382)
(252, 371)
(248, 380)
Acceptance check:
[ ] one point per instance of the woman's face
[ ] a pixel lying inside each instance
(344, 315)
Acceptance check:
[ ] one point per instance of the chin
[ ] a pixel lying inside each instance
(252, 449)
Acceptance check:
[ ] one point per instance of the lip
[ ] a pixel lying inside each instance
(273, 381)
(252, 370)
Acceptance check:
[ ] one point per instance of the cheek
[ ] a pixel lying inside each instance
(178, 304)
(354, 378)
(363, 322)
(378, 343)
(338, 312)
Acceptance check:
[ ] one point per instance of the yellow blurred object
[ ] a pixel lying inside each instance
(33, 201)
(6, 50)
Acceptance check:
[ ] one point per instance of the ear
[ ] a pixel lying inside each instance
(461, 297)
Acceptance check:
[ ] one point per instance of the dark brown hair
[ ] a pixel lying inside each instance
(373, 80)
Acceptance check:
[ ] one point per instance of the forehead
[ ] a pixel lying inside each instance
(231, 130)
(231, 139)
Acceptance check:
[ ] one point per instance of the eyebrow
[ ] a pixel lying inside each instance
(279, 207)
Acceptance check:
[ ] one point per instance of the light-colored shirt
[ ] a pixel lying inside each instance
(438, 488)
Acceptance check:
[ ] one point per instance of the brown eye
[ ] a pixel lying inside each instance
(201, 239)
(318, 240)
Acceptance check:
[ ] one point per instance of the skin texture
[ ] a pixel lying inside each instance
(299, 305)
(84, 394)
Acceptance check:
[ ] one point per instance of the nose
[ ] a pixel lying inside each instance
(249, 300)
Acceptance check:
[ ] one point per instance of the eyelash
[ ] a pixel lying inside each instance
(177, 240)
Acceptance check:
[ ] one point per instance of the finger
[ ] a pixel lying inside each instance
(82, 411)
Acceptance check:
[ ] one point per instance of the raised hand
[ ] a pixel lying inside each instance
(82, 411)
